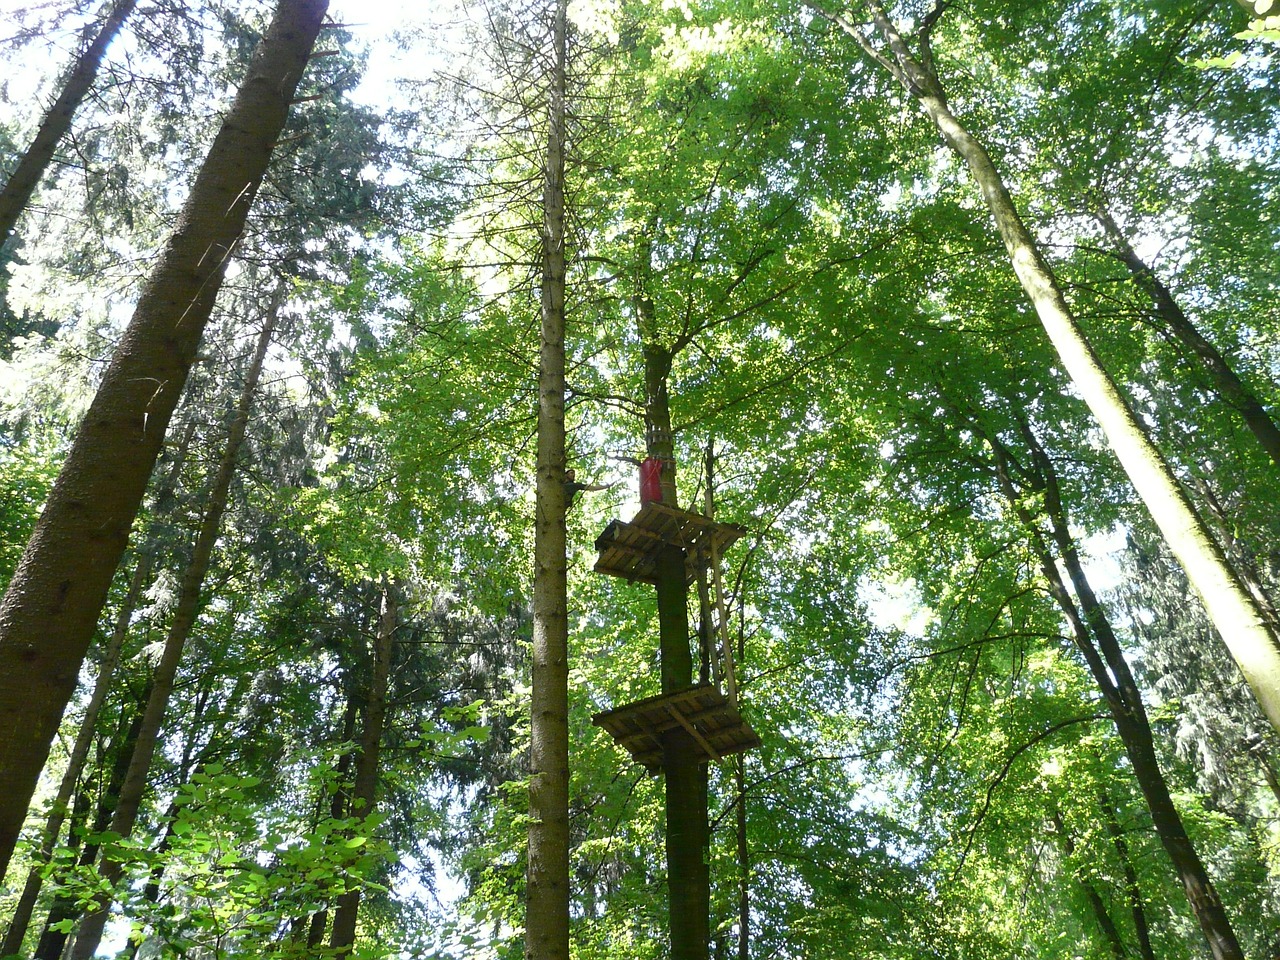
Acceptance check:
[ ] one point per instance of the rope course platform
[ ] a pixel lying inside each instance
(714, 723)
(630, 550)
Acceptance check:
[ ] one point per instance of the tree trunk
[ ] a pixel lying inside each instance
(547, 909)
(364, 793)
(319, 922)
(52, 942)
(190, 765)
(744, 857)
(1096, 904)
(21, 185)
(1101, 650)
(683, 766)
(75, 763)
(1232, 610)
(48, 614)
(1223, 378)
(84, 739)
(184, 617)
(1136, 908)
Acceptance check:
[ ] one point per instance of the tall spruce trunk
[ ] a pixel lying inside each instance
(48, 613)
(364, 792)
(319, 921)
(185, 612)
(1234, 613)
(75, 762)
(53, 940)
(88, 724)
(1098, 644)
(1224, 380)
(547, 908)
(26, 176)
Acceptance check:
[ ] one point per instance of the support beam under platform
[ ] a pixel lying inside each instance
(629, 550)
(703, 711)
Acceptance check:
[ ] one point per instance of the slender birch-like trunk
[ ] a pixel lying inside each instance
(547, 909)
(49, 611)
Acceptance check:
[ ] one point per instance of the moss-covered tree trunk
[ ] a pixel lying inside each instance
(49, 611)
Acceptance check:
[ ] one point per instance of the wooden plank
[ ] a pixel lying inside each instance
(703, 711)
(632, 549)
(675, 712)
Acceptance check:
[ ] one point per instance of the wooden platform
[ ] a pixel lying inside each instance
(630, 550)
(703, 711)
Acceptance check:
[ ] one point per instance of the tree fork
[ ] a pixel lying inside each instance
(48, 613)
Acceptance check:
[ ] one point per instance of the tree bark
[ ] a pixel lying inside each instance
(52, 942)
(1104, 656)
(319, 921)
(1225, 381)
(547, 908)
(22, 183)
(1234, 613)
(49, 611)
(684, 769)
(744, 857)
(75, 762)
(88, 724)
(364, 793)
(184, 617)
(1096, 903)
(1134, 892)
